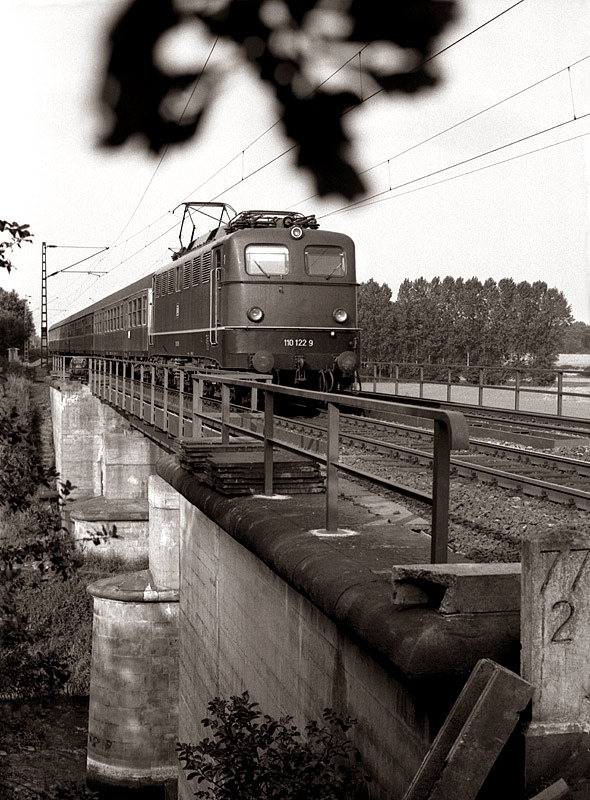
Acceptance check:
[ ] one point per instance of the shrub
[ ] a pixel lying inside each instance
(45, 612)
(255, 757)
(21, 468)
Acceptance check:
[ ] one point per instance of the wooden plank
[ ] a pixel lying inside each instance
(473, 735)
(554, 792)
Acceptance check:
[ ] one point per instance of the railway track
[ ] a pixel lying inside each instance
(497, 490)
(534, 472)
(561, 479)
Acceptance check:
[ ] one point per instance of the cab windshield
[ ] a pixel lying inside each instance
(267, 259)
(326, 260)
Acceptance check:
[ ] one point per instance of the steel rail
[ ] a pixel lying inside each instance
(579, 466)
(561, 422)
(529, 485)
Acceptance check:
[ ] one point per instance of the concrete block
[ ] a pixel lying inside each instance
(555, 635)
(127, 518)
(77, 438)
(458, 588)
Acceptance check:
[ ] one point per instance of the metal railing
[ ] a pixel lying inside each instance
(176, 412)
(521, 382)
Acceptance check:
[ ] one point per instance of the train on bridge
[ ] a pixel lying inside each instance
(263, 291)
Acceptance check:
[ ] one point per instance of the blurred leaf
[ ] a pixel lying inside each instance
(278, 41)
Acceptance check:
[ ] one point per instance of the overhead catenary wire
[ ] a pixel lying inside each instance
(380, 198)
(167, 147)
(352, 110)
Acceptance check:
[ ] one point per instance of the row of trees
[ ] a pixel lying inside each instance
(456, 321)
(576, 338)
(16, 322)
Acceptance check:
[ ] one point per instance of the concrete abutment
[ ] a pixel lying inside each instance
(109, 464)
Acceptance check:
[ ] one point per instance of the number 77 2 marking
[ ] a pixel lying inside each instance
(559, 555)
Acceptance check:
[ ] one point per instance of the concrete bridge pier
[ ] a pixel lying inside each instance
(133, 710)
(133, 713)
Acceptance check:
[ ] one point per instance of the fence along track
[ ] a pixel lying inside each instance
(112, 380)
(170, 402)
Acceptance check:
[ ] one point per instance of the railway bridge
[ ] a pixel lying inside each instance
(265, 593)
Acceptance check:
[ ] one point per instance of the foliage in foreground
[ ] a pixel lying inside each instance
(12, 234)
(279, 43)
(255, 757)
(45, 612)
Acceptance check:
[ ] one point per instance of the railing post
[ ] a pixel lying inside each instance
(141, 377)
(397, 378)
(165, 409)
(268, 447)
(254, 398)
(441, 469)
(225, 411)
(480, 387)
(124, 389)
(560, 393)
(197, 430)
(331, 468)
(421, 382)
(449, 384)
(153, 396)
(517, 391)
(117, 382)
(374, 378)
(181, 404)
(111, 380)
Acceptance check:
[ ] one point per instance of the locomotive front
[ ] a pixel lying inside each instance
(288, 301)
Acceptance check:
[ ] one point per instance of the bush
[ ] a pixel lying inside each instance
(45, 611)
(20, 370)
(254, 757)
(21, 468)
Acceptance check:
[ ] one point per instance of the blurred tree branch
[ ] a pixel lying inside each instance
(280, 39)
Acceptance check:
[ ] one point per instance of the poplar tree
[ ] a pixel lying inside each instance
(458, 322)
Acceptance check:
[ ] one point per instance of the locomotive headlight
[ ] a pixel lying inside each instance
(296, 232)
(255, 314)
(340, 315)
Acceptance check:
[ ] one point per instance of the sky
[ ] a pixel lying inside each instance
(485, 176)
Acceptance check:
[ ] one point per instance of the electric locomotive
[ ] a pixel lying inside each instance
(263, 291)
